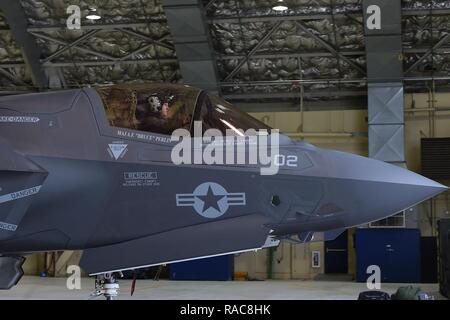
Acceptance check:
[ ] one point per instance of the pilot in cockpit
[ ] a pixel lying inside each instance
(162, 113)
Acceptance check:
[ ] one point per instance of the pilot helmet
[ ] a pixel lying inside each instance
(154, 103)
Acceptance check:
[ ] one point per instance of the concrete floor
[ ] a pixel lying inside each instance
(55, 288)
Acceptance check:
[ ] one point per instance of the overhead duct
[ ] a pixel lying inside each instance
(191, 38)
(383, 30)
(384, 72)
(13, 72)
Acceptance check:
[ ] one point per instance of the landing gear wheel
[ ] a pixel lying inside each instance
(106, 285)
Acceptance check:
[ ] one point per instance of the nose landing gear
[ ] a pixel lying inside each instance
(107, 285)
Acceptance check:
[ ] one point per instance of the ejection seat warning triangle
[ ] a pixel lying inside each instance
(117, 150)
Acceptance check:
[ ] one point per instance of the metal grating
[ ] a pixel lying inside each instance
(436, 158)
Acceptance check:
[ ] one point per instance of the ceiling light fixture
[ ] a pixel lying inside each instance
(280, 6)
(93, 15)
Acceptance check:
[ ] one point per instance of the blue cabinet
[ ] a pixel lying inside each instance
(213, 269)
(395, 251)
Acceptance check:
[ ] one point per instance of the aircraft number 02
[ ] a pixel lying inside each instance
(289, 161)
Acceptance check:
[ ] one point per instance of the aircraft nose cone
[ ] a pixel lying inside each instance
(375, 189)
(350, 166)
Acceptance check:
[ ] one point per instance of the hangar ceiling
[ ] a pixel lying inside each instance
(316, 47)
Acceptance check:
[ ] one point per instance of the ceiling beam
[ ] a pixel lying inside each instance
(297, 82)
(252, 52)
(96, 63)
(293, 105)
(312, 54)
(320, 16)
(307, 94)
(12, 78)
(74, 43)
(281, 17)
(293, 82)
(65, 43)
(425, 12)
(429, 52)
(12, 64)
(105, 26)
(147, 38)
(330, 48)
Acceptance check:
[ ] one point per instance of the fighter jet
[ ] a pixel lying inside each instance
(92, 169)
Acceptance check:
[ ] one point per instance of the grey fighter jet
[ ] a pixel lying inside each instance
(91, 169)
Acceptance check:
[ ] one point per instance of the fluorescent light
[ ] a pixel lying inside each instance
(93, 15)
(280, 6)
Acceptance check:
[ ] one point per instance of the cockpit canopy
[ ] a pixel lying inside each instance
(163, 108)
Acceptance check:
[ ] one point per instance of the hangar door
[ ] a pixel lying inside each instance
(336, 254)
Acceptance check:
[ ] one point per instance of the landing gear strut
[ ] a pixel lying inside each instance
(106, 285)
